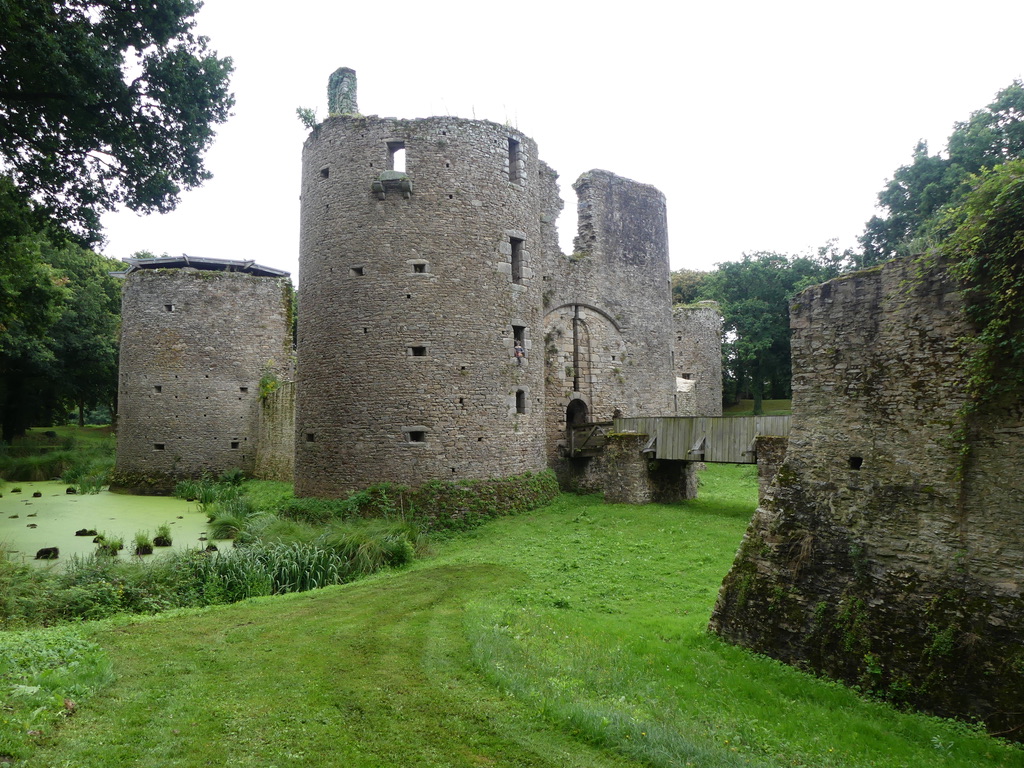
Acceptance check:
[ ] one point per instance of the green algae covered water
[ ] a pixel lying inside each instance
(28, 523)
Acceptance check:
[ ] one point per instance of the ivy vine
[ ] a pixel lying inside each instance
(983, 248)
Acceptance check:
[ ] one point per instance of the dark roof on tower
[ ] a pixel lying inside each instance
(197, 262)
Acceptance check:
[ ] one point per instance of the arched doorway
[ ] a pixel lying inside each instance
(577, 413)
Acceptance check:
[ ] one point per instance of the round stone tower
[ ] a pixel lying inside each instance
(197, 335)
(420, 248)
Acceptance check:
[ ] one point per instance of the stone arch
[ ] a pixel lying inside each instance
(576, 413)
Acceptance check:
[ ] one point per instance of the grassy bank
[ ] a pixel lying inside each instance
(768, 408)
(569, 636)
(80, 456)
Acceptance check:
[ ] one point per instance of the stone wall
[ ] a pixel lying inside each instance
(608, 319)
(275, 434)
(697, 359)
(881, 555)
(625, 475)
(415, 287)
(194, 345)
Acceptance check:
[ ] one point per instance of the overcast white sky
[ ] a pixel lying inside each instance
(768, 125)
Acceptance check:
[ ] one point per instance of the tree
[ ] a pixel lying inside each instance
(106, 103)
(918, 193)
(985, 251)
(84, 339)
(754, 296)
(686, 285)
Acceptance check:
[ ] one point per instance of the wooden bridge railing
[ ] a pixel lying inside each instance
(728, 440)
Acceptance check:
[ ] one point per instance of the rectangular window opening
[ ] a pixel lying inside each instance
(417, 436)
(517, 259)
(418, 351)
(519, 335)
(396, 156)
(235, 443)
(310, 437)
(357, 271)
(419, 268)
(158, 388)
(168, 307)
(520, 401)
(158, 446)
(513, 160)
(243, 389)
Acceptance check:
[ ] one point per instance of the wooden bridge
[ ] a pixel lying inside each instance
(716, 439)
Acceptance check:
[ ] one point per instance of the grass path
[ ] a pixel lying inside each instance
(374, 674)
(572, 636)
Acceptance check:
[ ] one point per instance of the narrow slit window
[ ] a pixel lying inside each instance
(520, 401)
(517, 259)
(396, 156)
(513, 160)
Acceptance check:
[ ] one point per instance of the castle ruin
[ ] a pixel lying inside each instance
(884, 554)
(442, 334)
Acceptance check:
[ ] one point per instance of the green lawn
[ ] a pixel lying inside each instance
(768, 407)
(570, 636)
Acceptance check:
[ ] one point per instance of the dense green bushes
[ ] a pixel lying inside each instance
(55, 453)
(436, 505)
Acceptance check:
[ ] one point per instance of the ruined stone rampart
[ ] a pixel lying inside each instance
(194, 345)
(608, 321)
(879, 555)
(697, 359)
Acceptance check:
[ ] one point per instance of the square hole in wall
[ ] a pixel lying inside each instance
(357, 271)
(418, 351)
(856, 462)
(158, 446)
(158, 388)
(417, 436)
(235, 443)
(168, 307)
(310, 437)
(420, 268)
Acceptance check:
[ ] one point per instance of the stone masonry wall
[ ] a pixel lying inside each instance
(879, 556)
(411, 304)
(697, 356)
(275, 435)
(194, 345)
(608, 320)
